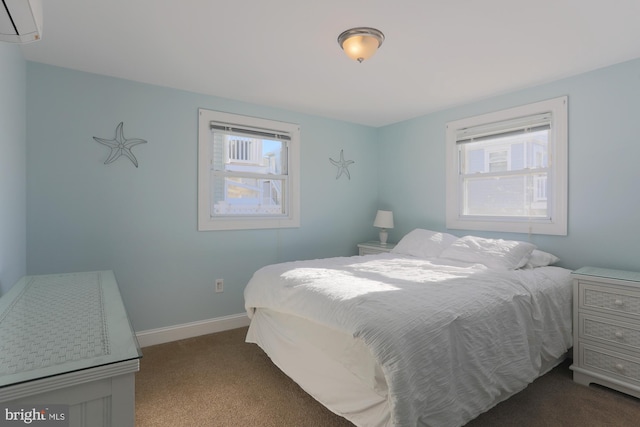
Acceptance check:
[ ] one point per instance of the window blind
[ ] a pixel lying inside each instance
(250, 132)
(532, 123)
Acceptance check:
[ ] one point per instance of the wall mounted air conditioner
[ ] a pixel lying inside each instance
(20, 20)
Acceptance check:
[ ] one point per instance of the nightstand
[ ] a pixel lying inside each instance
(606, 328)
(374, 247)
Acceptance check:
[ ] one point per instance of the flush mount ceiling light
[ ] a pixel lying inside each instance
(360, 43)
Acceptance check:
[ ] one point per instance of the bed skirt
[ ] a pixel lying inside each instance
(333, 367)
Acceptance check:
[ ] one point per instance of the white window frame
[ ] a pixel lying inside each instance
(209, 222)
(557, 189)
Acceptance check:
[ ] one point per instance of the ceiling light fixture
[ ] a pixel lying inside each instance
(360, 43)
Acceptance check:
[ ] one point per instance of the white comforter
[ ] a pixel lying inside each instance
(452, 339)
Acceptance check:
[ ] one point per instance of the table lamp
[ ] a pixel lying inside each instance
(384, 220)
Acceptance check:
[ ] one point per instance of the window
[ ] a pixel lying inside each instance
(507, 171)
(248, 172)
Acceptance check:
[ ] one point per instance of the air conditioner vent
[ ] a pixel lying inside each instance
(20, 20)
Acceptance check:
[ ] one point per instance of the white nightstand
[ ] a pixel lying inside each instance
(374, 247)
(606, 328)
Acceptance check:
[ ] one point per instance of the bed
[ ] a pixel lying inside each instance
(433, 333)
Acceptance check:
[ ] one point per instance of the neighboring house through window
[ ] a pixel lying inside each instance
(248, 172)
(507, 171)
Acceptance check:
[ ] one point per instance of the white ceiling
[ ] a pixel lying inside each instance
(283, 53)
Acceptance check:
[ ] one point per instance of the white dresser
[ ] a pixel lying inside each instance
(606, 328)
(66, 341)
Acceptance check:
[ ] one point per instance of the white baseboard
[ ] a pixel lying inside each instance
(193, 329)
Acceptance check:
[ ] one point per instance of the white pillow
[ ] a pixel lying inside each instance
(540, 258)
(423, 243)
(494, 253)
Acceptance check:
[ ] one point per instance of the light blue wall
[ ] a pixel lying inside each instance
(13, 252)
(83, 215)
(141, 222)
(604, 167)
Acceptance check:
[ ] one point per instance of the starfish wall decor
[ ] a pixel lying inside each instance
(120, 146)
(342, 165)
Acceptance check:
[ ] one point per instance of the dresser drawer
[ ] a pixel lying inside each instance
(608, 330)
(609, 300)
(374, 247)
(369, 251)
(622, 366)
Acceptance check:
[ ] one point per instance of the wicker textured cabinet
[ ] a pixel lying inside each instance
(65, 339)
(606, 328)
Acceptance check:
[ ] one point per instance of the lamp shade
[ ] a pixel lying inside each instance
(360, 43)
(384, 219)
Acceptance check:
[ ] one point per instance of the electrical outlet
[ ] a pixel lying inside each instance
(219, 285)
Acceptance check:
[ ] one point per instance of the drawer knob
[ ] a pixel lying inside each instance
(619, 334)
(619, 367)
(618, 303)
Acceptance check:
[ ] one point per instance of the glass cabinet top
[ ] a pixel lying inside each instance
(59, 323)
(608, 273)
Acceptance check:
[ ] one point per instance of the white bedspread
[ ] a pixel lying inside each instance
(451, 338)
